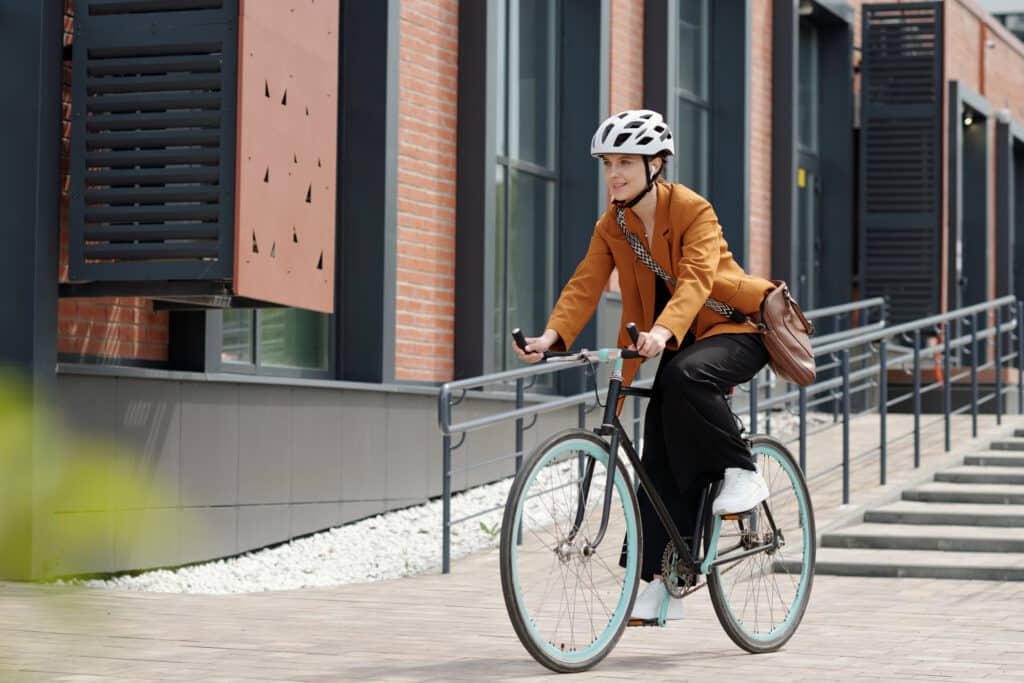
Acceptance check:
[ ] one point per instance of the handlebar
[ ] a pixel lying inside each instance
(600, 354)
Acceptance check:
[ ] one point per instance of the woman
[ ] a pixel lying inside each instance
(690, 435)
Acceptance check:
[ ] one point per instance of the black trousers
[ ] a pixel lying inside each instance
(690, 434)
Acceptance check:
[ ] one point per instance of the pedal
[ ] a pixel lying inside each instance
(736, 516)
(644, 622)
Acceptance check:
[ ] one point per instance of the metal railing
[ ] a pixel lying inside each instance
(852, 320)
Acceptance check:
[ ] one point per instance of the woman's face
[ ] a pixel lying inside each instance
(624, 175)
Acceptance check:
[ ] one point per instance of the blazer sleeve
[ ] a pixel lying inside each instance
(580, 296)
(695, 274)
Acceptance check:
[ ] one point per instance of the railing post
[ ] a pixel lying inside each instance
(803, 429)
(999, 365)
(519, 424)
(974, 374)
(753, 404)
(947, 384)
(883, 408)
(917, 398)
(845, 363)
(446, 497)
(1020, 357)
(768, 413)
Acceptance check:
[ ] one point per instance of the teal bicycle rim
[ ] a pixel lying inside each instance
(619, 614)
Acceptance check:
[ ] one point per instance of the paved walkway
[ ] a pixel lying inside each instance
(454, 628)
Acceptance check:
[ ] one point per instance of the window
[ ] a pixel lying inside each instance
(807, 97)
(276, 341)
(692, 95)
(526, 176)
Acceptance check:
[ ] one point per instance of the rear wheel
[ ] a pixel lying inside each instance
(760, 599)
(568, 602)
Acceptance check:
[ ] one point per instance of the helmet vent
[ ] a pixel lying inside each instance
(621, 140)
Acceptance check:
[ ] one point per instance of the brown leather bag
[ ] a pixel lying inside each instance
(786, 334)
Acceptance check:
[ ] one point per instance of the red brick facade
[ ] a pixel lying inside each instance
(125, 329)
(425, 287)
(626, 61)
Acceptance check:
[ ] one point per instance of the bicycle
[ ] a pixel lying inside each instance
(569, 591)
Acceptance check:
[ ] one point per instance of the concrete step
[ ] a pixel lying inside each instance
(946, 492)
(959, 514)
(996, 459)
(978, 539)
(975, 474)
(934, 564)
(1015, 444)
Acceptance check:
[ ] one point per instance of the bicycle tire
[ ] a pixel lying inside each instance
(790, 505)
(543, 493)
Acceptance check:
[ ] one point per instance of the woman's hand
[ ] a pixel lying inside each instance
(652, 343)
(536, 346)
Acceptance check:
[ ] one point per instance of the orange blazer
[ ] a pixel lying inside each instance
(688, 244)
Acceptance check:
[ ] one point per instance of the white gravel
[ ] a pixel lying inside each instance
(401, 543)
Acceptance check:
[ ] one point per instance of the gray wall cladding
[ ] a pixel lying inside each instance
(247, 464)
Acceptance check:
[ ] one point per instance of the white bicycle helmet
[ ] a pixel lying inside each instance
(634, 131)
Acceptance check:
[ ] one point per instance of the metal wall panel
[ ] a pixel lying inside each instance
(287, 152)
(900, 151)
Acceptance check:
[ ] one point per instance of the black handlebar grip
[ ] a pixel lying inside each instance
(517, 334)
(633, 334)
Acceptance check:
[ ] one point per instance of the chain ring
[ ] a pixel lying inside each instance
(677, 580)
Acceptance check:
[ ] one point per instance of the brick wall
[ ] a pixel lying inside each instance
(626, 64)
(125, 329)
(428, 82)
(760, 139)
(626, 68)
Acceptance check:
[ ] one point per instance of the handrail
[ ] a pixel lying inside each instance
(858, 360)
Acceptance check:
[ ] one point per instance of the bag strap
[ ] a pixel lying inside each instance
(724, 310)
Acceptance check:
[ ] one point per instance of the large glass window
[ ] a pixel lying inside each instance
(807, 96)
(275, 339)
(526, 174)
(691, 120)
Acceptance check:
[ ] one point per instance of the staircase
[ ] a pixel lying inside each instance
(966, 524)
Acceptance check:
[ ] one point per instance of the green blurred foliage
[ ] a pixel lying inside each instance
(63, 495)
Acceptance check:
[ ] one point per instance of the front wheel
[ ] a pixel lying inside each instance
(760, 598)
(569, 602)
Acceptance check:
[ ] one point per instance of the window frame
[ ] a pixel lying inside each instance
(702, 103)
(215, 346)
(727, 140)
(581, 43)
(510, 165)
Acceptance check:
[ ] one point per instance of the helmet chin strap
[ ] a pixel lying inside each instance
(650, 184)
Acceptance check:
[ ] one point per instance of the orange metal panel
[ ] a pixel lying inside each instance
(287, 152)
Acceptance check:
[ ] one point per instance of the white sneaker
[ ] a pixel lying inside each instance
(653, 600)
(741, 490)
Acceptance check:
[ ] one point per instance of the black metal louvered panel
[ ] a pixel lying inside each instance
(901, 156)
(153, 140)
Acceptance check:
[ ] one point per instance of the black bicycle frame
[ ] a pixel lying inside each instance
(612, 428)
